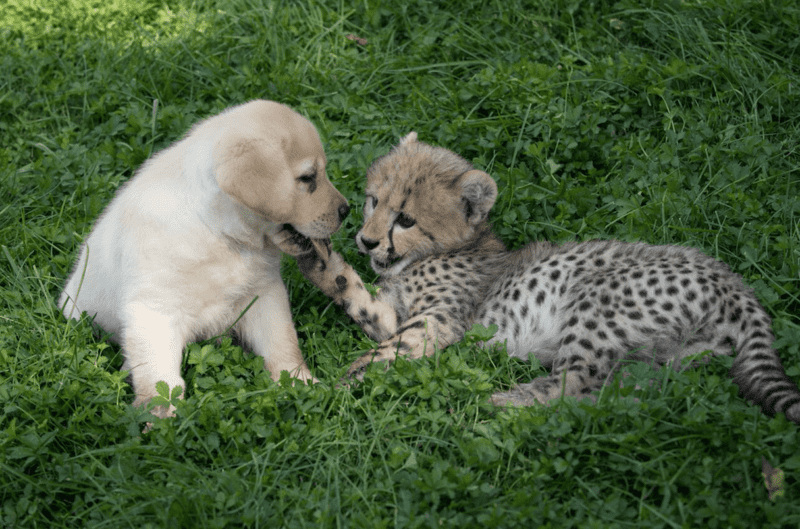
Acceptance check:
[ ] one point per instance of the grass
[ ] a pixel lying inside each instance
(664, 122)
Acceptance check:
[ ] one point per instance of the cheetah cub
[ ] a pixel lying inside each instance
(580, 308)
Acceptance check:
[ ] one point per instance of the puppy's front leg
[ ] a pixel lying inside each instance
(152, 343)
(268, 330)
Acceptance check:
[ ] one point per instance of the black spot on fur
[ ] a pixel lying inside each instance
(419, 324)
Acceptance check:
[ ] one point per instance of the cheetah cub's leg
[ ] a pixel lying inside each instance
(327, 271)
(376, 316)
(419, 336)
(573, 374)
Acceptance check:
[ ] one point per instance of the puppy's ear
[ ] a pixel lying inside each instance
(478, 193)
(254, 173)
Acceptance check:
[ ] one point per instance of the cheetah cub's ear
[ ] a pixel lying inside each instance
(411, 137)
(478, 193)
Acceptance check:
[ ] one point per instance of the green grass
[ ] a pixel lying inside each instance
(657, 121)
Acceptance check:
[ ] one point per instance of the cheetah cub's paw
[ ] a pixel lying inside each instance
(519, 396)
(542, 390)
(315, 258)
(290, 241)
(325, 268)
(359, 367)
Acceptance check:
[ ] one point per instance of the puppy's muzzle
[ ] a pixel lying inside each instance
(344, 209)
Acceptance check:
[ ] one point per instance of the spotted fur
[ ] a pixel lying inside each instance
(580, 308)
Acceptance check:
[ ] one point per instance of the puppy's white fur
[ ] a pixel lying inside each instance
(187, 243)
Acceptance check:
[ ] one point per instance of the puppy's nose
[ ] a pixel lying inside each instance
(369, 244)
(344, 209)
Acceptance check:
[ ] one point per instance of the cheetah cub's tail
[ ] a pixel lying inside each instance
(758, 372)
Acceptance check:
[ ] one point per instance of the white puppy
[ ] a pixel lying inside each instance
(189, 242)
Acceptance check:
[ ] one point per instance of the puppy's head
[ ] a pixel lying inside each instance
(271, 160)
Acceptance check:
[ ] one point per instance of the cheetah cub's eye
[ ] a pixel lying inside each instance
(372, 202)
(404, 221)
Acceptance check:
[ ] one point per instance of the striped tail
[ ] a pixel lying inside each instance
(760, 376)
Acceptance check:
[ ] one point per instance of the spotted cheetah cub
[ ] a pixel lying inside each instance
(580, 308)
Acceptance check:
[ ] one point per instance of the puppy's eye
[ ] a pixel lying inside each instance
(308, 178)
(404, 221)
(372, 201)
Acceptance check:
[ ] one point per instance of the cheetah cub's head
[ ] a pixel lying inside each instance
(421, 200)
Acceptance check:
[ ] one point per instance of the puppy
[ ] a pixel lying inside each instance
(190, 241)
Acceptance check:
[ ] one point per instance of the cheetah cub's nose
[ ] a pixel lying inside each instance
(369, 244)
